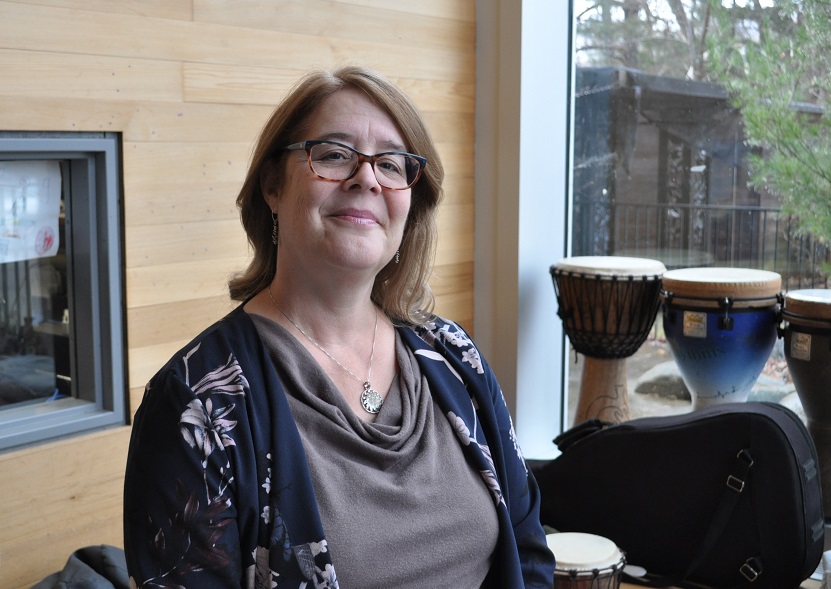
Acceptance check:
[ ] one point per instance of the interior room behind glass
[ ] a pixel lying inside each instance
(34, 308)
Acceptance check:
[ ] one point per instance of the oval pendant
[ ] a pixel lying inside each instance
(371, 401)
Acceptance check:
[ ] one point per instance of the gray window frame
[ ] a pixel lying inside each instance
(95, 285)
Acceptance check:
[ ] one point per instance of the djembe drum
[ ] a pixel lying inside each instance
(608, 305)
(585, 561)
(721, 325)
(806, 316)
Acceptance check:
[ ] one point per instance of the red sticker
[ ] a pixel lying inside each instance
(45, 240)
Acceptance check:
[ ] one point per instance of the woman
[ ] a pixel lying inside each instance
(331, 431)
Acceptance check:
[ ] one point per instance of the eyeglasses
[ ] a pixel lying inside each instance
(330, 160)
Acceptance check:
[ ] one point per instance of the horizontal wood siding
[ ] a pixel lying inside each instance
(189, 84)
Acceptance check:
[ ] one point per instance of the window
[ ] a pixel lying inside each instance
(62, 366)
(665, 153)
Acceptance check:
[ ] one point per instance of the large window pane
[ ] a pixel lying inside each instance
(668, 166)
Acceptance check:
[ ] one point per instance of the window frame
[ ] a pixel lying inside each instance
(524, 118)
(95, 287)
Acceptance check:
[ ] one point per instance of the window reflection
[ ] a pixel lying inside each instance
(34, 302)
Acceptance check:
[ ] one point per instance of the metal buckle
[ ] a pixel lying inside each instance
(735, 483)
(747, 570)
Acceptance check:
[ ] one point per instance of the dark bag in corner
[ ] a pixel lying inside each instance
(723, 497)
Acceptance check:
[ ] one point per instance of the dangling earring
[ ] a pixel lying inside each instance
(397, 256)
(274, 228)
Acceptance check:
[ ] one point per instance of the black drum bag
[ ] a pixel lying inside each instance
(728, 496)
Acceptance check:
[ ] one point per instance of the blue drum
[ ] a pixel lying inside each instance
(806, 316)
(721, 325)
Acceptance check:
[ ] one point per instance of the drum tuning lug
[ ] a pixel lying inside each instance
(667, 296)
(726, 303)
(726, 323)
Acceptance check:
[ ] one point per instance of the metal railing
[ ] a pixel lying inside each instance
(691, 235)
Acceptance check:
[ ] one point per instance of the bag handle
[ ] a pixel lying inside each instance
(580, 431)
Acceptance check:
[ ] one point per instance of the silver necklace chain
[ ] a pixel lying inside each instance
(371, 400)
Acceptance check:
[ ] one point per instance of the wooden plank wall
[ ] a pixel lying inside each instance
(189, 83)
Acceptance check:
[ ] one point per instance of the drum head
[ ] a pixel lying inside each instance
(610, 266)
(583, 552)
(718, 283)
(809, 303)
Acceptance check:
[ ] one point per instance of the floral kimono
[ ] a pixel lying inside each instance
(218, 492)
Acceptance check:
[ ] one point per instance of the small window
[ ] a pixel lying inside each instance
(62, 367)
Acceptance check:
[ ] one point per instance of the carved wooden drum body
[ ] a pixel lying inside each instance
(721, 325)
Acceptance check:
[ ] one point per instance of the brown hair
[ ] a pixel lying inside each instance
(401, 290)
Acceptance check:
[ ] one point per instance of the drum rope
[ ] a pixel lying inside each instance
(604, 316)
(819, 320)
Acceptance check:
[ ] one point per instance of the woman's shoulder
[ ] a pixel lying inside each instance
(450, 340)
(438, 331)
(234, 335)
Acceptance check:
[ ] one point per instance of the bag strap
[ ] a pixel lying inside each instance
(661, 582)
(578, 432)
(734, 486)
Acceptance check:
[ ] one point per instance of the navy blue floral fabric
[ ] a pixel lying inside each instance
(218, 493)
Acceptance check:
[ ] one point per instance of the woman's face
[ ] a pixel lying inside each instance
(353, 224)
